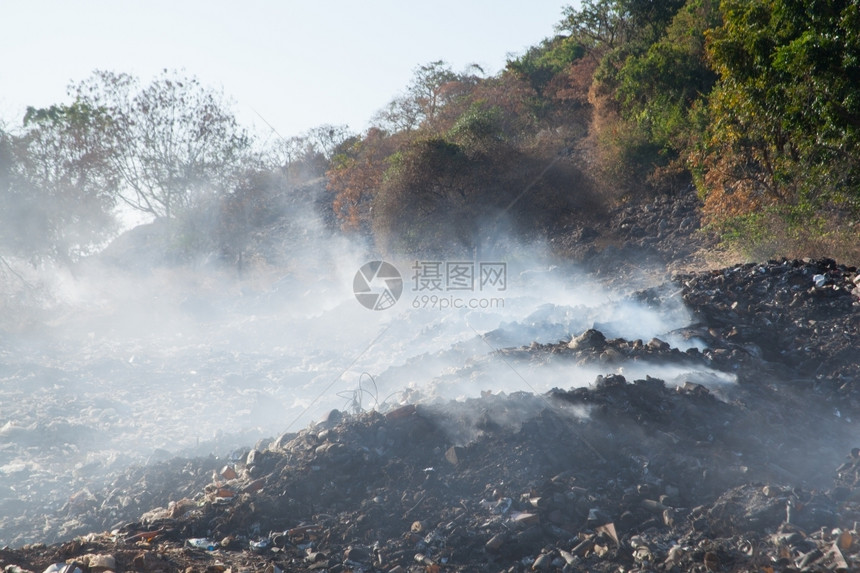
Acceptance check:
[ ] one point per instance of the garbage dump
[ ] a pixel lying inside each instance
(754, 469)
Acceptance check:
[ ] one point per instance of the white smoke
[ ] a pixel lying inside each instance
(198, 359)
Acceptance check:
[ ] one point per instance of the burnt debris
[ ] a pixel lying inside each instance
(761, 474)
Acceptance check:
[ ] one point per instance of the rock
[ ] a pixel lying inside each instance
(525, 519)
(401, 412)
(495, 543)
(657, 345)
(747, 438)
(253, 457)
(150, 561)
(542, 563)
(358, 554)
(228, 473)
(99, 562)
(330, 420)
(591, 339)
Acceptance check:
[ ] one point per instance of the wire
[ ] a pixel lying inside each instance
(334, 381)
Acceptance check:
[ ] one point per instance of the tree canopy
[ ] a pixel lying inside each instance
(166, 144)
(56, 199)
(785, 112)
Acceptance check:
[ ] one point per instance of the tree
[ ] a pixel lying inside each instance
(355, 175)
(424, 204)
(604, 25)
(472, 190)
(433, 86)
(661, 90)
(541, 63)
(55, 200)
(168, 143)
(308, 156)
(326, 139)
(785, 114)
(402, 113)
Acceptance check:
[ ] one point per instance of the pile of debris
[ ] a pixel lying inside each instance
(624, 475)
(796, 320)
(657, 232)
(801, 315)
(619, 475)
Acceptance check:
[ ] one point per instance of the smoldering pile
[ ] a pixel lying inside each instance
(801, 316)
(629, 473)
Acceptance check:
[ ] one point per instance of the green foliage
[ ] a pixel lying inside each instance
(541, 63)
(604, 25)
(786, 110)
(446, 198)
(422, 204)
(794, 231)
(755, 100)
(479, 129)
(55, 201)
(658, 89)
(629, 159)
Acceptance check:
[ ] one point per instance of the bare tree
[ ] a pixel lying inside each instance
(168, 143)
(433, 85)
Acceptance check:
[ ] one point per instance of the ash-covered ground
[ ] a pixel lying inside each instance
(705, 423)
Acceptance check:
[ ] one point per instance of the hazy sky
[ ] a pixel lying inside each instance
(296, 64)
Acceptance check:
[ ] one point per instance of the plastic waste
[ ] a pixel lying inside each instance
(499, 507)
(65, 568)
(201, 543)
(261, 545)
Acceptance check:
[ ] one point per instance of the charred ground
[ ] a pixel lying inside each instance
(626, 474)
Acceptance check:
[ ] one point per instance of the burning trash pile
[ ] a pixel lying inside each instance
(801, 316)
(628, 474)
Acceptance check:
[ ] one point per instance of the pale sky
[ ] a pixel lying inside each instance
(296, 64)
